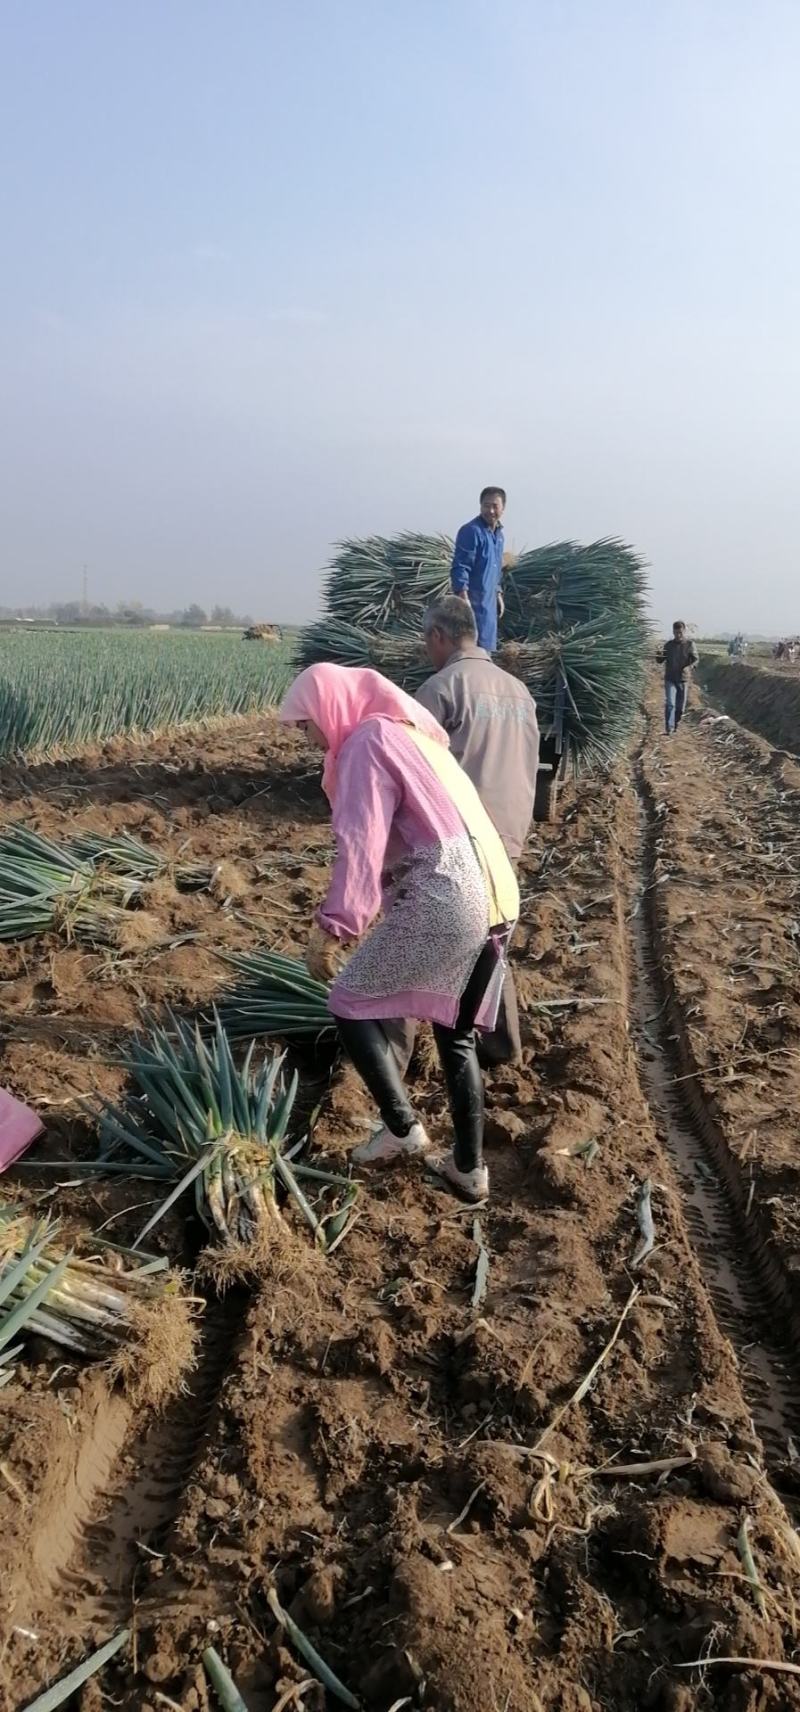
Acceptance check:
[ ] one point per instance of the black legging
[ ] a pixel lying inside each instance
(370, 1051)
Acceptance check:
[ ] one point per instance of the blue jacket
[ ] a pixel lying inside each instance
(478, 568)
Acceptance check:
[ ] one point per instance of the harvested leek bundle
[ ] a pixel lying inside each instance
(46, 887)
(575, 629)
(220, 1129)
(554, 588)
(399, 655)
(276, 996)
(386, 582)
(586, 682)
(126, 856)
(103, 1303)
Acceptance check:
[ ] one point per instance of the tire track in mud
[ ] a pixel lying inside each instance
(136, 1520)
(749, 1291)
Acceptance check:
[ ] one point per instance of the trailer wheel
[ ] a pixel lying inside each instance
(546, 796)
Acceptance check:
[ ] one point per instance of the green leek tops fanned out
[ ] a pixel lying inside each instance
(386, 582)
(208, 1123)
(276, 996)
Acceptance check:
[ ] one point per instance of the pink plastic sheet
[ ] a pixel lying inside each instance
(19, 1126)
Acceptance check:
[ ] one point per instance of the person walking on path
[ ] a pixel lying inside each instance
(477, 571)
(490, 719)
(414, 841)
(678, 656)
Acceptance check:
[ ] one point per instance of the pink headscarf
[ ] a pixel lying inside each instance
(340, 698)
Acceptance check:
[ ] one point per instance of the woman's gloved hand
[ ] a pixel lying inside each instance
(324, 955)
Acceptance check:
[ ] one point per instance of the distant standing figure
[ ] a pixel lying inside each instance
(477, 571)
(678, 656)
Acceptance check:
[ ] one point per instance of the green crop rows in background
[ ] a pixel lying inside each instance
(60, 690)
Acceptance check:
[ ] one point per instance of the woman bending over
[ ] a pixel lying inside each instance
(415, 846)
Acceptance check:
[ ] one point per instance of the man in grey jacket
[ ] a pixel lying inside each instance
(490, 718)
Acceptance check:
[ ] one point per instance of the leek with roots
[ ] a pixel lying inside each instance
(94, 1300)
(220, 1130)
(125, 855)
(275, 996)
(46, 887)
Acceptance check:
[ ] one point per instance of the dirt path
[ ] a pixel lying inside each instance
(417, 1474)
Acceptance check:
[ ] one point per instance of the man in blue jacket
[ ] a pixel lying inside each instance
(477, 570)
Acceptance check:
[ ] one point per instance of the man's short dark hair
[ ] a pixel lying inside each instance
(678, 624)
(453, 616)
(489, 493)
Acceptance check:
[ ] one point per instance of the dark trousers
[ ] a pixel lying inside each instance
(368, 1046)
(674, 704)
(502, 1046)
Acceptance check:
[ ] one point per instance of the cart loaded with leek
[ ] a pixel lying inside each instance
(575, 629)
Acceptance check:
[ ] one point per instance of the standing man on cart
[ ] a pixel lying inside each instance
(477, 571)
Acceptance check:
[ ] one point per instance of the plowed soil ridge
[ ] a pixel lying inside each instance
(149, 1489)
(748, 1284)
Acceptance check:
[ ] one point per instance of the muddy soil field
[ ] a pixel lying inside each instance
(534, 1497)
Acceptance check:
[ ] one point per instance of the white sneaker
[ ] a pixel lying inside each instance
(383, 1146)
(473, 1185)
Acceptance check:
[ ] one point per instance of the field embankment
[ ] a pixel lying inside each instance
(766, 700)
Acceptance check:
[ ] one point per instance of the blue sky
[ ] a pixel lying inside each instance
(277, 273)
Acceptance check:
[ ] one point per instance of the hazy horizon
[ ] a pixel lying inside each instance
(278, 274)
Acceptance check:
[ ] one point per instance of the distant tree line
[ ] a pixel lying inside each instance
(131, 613)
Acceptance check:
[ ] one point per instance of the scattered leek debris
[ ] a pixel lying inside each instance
(481, 1265)
(222, 1682)
(321, 1670)
(276, 996)
(62, 1691)
(779, 1666)
(745, 1551)
(589, 1378)
(204, 1122)
(105, 1304)
(585, 1150)
(644, 1215)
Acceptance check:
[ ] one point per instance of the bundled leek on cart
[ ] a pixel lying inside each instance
(398, 654)
(386, 582)
(575, 629)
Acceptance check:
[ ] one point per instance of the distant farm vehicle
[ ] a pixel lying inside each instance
(737, 647)
(787, 649)
(263, 633)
